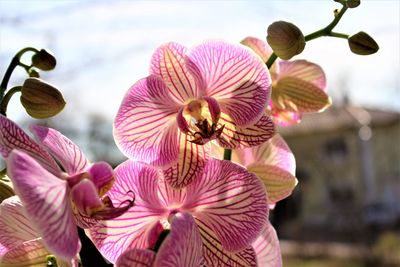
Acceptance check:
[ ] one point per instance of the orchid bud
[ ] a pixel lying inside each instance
(286, 39)
(34, 73)
(44, 60)
(362, 44)
(40, 99)
(353, 3)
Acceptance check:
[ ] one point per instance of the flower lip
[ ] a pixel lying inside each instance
(199, 119)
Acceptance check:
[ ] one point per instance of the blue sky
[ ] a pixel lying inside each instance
(103, 47)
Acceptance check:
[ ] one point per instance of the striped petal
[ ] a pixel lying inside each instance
(46, 202)
(303, 70)
(216, 255)
(273, 152)
(231, 201)
(297, 95)
(183, 246)
(168, 63)
(30, 253)
(13, 137)
(136, 258)
(234, 136)
(133, 228)
(145, 127)
(234, 76)
(15, 227)
(267, 248)
(189, 165)
(278, 182)
(263, 50)
(61, 148)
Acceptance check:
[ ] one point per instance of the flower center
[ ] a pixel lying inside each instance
(199, 118)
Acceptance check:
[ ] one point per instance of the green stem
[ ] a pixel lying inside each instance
(14, 63)
(227, 154)
(271, 60)
(7, 98)
(327, 31)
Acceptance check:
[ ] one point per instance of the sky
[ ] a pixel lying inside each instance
(104, 47)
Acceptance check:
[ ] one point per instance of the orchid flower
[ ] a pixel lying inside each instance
(272, 162)
(20, 244)
(228, 204)
(56, 200)
(216, 91)
(267, 248)
(182, 247)
(298, 86)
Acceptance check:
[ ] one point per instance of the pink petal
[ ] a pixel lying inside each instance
(30, 253)
(136, 258)
(234, 76)
(133, 228)
(304, 70)
(189, 165)
(216, 255)
(297, 95)
(263, 50)
(46, 202)
(84, 196)
(285, 118)
(145, 126)
(231, 201)
(15, 227)
(13, 137)
(168, 62)
(267, 248)
(63, 150)
(234, 136)
(102, 175)
(183, 246)
(273, 152)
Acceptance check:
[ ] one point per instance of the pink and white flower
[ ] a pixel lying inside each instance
(182, 247)
(228, 204)
(20, 244)
(216, 91)
(273, 162)
(56, 199)
(298, 86)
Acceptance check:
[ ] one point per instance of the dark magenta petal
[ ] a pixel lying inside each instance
(61, 148)
(13, 137)
(46, 203)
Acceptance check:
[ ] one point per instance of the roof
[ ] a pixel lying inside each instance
(341, 118)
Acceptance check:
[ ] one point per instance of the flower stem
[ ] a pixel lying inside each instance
(89, 254)
(327, 31)
(227, 154)
(6, 99)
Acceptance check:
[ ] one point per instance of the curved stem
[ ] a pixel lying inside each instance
(227, 154)
(339, 35)
(271, 60)
(7, 98)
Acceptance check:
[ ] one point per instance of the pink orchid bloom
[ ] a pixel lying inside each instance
(216, 91)
(228, 204)
(273, 162)
(267, 248)
(298, 86)
(182, 247)
(20, 244)
(56, 200)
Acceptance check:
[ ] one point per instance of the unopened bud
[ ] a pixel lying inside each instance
(44, 60)
(353, 3)
(286, 39)
(40, 99)
(362, 44)
(33, 73)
